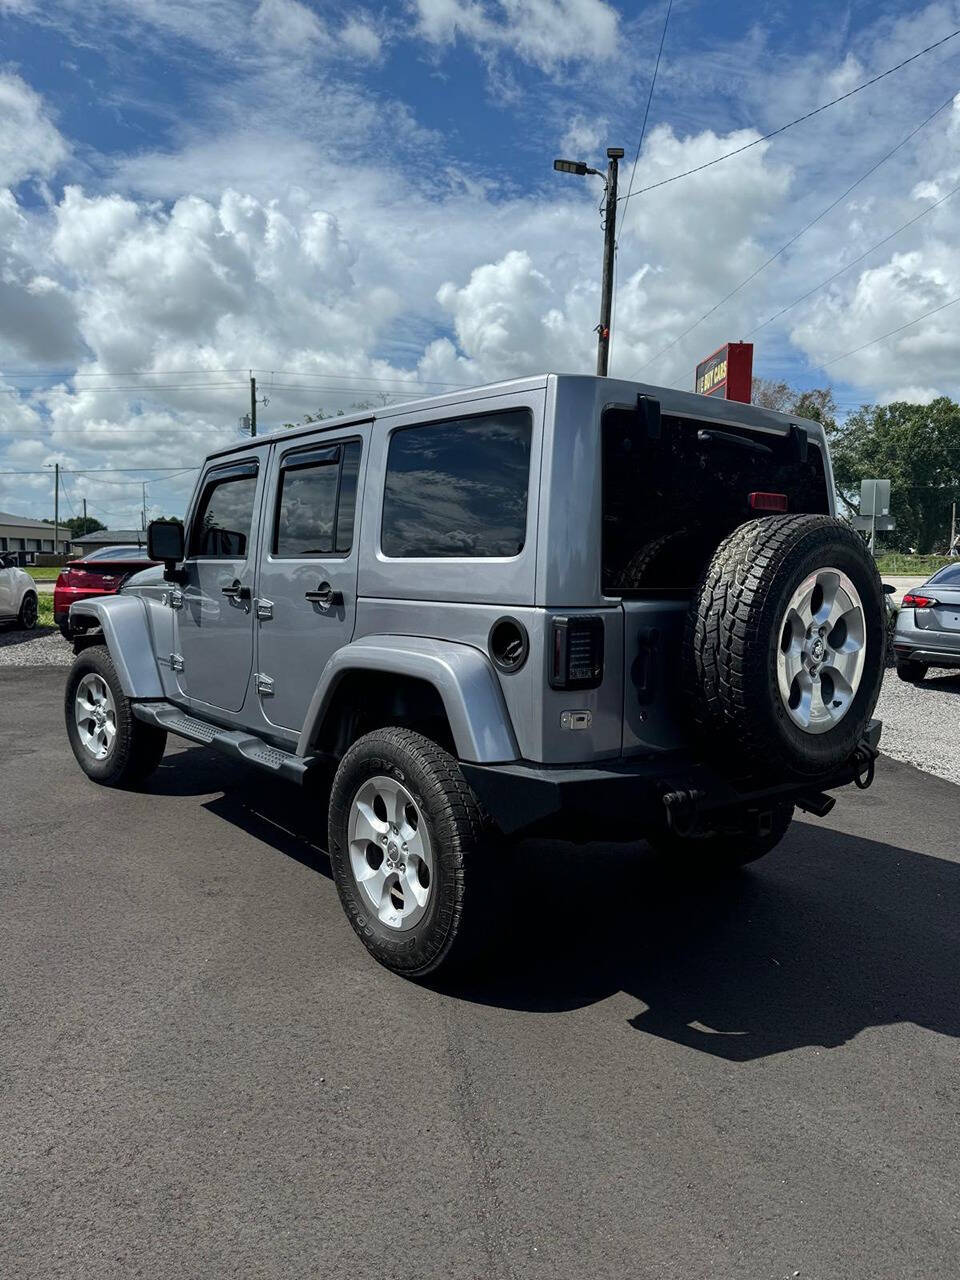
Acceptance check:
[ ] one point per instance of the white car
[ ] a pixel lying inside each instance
(18, 595)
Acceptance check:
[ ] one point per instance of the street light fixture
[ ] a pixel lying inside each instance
(578, 167)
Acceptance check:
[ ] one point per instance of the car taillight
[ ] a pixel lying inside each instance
(576, 653)
(913, 601)
(767, 501)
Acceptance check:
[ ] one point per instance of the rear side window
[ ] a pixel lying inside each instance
(949, 576)
(221, 530)
(669, 502)
(458, 488)
(316, 501)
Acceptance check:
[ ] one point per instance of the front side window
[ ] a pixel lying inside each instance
(221, 529)
(458, 488)
(316, 501)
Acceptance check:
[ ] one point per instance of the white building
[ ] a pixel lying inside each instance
(20, 533)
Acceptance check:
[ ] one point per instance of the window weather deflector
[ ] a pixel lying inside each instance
(310, 457)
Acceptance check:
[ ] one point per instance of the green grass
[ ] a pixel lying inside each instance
(45, 611)
(43, 573)
(894, 562)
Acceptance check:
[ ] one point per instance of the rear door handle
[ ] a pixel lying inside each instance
(235, 591)
(324, 597)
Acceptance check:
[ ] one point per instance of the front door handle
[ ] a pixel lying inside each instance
(235, 591)
(324, 597)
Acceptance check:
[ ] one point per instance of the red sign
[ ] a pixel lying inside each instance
(728, 373)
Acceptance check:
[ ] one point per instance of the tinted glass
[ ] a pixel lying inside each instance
(949, 576)
(308, 508)
(118, 553)
(348, 495)
(221, 530)
(458, 488)
(669, 502)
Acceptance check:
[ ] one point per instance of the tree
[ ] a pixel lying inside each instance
(816, 403)
(917, 448)
(78, 525)
(358, 406)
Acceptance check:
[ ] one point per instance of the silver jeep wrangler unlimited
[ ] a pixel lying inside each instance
(559, 605)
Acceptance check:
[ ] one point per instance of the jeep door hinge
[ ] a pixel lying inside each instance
(264, 684)
(176, 598)
(176, 662)
(264, 609)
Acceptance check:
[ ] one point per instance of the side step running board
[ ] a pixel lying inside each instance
(232, 742)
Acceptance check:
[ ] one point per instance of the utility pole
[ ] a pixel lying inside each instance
(84, 515)
(143, 504)
(56, 508)
(253, 405)
(614, 156)
(953, 527)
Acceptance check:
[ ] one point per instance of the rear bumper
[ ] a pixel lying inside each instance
(625, 798)
(921, 644)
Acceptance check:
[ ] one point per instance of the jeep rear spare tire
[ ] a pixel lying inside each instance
(784, 647)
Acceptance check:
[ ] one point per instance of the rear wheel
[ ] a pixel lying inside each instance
(725, 849)
(912, 672)
(406, 845)
(27, 617)
(111, 746)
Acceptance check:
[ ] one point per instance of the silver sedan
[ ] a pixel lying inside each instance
(928, 626)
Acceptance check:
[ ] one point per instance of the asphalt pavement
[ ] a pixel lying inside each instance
(204, 1075)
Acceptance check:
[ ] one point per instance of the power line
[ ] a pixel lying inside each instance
(646, 113)
(794, 238)
(800, 119)
(825, 364)
(853, 262)
(168, 373)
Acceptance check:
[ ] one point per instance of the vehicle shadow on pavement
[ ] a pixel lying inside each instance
(942, 682)
(831, 934)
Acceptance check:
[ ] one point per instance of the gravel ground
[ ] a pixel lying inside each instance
(43, 647)
(921, 723)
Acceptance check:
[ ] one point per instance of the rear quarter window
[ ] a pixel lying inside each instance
(458, 488)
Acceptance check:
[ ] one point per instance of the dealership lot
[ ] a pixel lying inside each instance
(205, 1075)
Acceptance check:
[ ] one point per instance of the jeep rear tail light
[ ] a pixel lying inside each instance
(576, 653)
(913, 601)
(767, 501)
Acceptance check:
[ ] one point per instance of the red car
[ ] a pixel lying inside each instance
(101, 573)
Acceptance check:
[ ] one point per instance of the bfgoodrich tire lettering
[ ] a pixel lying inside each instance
(734, 632)
(431, 778)
(135, 748)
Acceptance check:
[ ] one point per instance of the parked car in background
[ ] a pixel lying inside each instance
(928, 626)
(101, 573)
(18, 595)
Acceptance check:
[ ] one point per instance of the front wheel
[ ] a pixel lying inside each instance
(27, 617)
(111, 746)
(724, 849)
(405, 838)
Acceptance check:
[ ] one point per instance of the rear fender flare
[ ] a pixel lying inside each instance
(126, 632)
(463, 677)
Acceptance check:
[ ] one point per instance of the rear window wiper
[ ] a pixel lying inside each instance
(725, 437)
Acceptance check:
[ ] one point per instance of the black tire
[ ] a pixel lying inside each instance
(732, 640)
(27, 617)
(66, 632)
(137, 748)
(720, 851)
(447, 933)
(912, 672)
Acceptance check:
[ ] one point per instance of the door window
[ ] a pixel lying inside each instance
(458, 488)
(221, 528)
(316, 501)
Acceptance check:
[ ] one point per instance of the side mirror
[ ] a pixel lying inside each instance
(888, 589)
(165, 542)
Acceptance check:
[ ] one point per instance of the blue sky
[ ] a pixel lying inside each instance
(363, 197)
